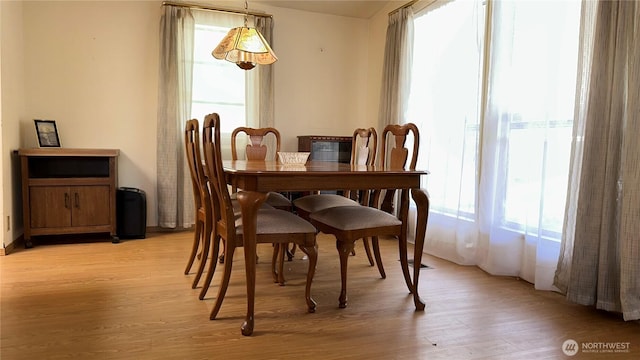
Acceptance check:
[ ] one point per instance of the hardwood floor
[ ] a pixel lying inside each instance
(97, 300)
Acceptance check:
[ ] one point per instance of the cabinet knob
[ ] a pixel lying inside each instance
(66, 200)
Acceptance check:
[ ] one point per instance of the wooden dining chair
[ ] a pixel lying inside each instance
(202, 201)
(273, 225)
(364, 144)
(257, 149)
(352, 222)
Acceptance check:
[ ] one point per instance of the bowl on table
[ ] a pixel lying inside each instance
(293, 158)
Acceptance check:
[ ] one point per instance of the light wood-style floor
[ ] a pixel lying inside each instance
(97, 300)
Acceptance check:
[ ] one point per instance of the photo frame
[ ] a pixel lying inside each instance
(47, 132)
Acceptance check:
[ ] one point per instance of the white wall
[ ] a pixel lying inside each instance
(93, 67)
(320, 78)
(377, 39)
(12, 105)
(329, 72)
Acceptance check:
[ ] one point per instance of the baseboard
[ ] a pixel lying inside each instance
(160, 230)
(20, 240)
(9, 248)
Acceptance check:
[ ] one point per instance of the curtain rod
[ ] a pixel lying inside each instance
(403, 7)
(209, 8)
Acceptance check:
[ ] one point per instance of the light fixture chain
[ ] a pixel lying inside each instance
(246, 13)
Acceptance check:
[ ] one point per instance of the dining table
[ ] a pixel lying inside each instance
(255, 179)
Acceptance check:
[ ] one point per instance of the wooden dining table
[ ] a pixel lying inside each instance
(257, 178)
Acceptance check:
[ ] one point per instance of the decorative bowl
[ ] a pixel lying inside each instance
(293, 158)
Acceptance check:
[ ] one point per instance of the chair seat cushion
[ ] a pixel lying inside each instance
(277, 200)
(317, 202)
(354, 217)
(274, 221)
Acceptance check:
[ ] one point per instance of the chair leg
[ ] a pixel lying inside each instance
(292, 252)
(215, 250)
(344, 249)
(367, 249)
(274, 261)
(376, 251)
(194, 248)
(277, 263)
(312, 254)
(206, 243)
(282, 253)
(221, 258)
(224, 284)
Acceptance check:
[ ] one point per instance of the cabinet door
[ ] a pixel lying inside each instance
(90, 205)
(50, 206)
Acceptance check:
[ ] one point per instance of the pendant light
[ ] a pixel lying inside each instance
(245, 46)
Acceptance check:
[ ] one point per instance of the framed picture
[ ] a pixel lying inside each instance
(47, 133)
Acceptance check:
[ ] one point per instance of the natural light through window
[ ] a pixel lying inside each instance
(218, 86)
(506, 155)
(444, 102)
(542, 67)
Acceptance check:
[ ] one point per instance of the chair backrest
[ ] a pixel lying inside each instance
(396, 157)
(201, 195)
(255, 150)
(363, 146)
(223, 209)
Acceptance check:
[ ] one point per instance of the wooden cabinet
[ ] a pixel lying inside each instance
(67, 191)
(326, 148)
(64, 206)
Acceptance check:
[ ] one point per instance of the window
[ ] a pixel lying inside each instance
(445, 101)
(497, 124)
(537, 81)
(218, 86)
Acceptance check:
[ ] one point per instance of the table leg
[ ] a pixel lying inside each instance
(250, 202)
(403, 215)
(422, 203)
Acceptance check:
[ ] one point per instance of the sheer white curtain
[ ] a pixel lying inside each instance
(600, 260)
(444, 103)
(495, 106)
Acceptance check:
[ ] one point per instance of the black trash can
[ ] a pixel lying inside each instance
(131, 213)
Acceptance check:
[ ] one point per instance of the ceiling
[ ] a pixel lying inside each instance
(363, 9)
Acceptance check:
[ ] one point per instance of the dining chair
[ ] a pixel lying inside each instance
(273, 225)
(203, 208)
(258, 149)
(364, 143)
(202, 201)
(352, 222)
